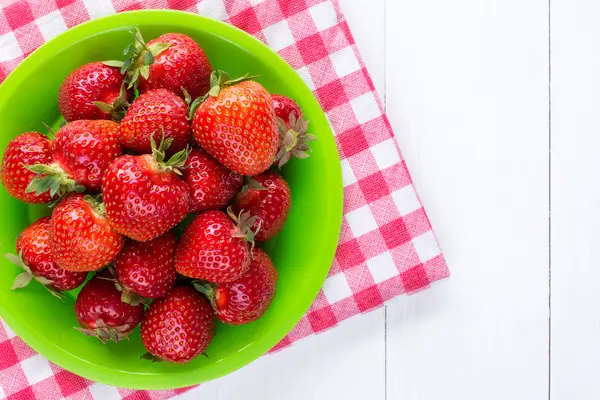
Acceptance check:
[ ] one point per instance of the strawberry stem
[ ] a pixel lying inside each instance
(177, 161)
(139, 58)
(186, 96)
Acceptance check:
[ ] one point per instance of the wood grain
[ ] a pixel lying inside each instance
(575, 331)
(466, 87)
(467, 94)
(343, 363)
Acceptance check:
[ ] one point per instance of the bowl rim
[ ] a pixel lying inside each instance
(161, 381)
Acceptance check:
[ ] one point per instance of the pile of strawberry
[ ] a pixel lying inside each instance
(146, 143)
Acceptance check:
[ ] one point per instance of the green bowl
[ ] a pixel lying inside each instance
(302, 253)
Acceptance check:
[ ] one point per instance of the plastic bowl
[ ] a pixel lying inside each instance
(302, 253)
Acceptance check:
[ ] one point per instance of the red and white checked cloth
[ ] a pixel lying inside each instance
(387, 247)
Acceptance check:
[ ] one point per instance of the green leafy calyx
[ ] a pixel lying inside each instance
(177, 161)
(250, 184)
(209, 290)
(52, 178)
(293, 139)
(118, 108)
(95, 201)
(105, 333)
(25, 277)
(245, 221)
(218, 81)
(139, 58)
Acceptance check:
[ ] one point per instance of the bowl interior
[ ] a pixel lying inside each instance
(302, 253)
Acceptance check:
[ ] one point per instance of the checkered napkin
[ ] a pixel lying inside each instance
(386, 248)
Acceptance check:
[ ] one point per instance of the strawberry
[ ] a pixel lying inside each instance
(34, 256)
(144, 196)
(81, 152)
(236, 124)
(28, 148)
(269, 199)
(156, 113)
(147, 269)
(80, 236)
(178, 327)
(212, 186)
(182, 65)
(247, 298)
(93, 91)
(101, 312)
(285, 107)
(172, 61)
(293, 139)
(214, 249)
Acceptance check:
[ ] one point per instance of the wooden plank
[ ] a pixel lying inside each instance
(575, 331)
(347, 362)
(368, 28)
(467, 93)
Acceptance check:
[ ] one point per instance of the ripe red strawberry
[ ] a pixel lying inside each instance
(101, 312)
(28, 148)
(270, 206)
(172, 61)
(143, 195)
(156, 113)
(81, 152)
(214, 249)
(293, 139)
(147, 269)
(34, 256)
(236, 124)
(212, 186)
(80, 236)
(178, 327)
(182, 65)
(247, 298)
(93, 91)
(284, 107)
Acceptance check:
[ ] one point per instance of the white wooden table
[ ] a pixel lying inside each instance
(510, 181)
